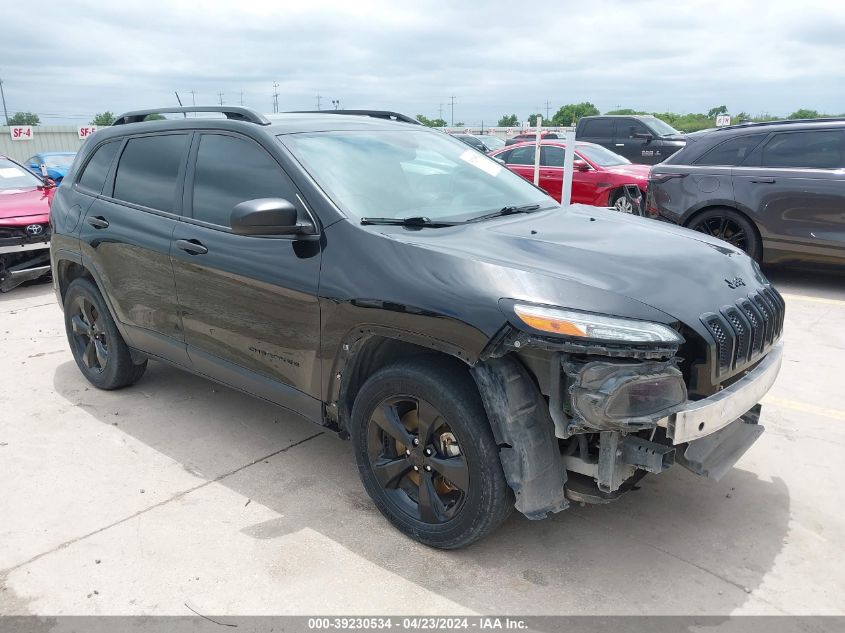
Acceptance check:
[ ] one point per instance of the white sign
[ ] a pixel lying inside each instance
(21, 132)
(86, 130)
(722, 120)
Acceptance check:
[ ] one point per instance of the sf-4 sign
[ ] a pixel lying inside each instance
(86, 130)
(21, 132)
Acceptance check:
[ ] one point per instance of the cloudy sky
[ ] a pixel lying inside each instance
(494, 57)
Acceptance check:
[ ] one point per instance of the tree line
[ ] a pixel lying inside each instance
(690, 122)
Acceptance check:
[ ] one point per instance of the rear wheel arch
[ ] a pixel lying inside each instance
(732, 210)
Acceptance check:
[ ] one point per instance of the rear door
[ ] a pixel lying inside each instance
(249, 303)
(521, 161)
(551, 176)
(599, 131)
(795, 184)
(126, 236)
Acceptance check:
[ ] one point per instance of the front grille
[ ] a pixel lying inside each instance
(12, 231)
(744, 332)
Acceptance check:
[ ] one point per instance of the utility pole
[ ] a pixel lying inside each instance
(3, 95)
(220, 94)
(452, 103)
(275, 97)
(547, 109)
(336, 103)
(318, 100)
(193, 97)
(441, 111)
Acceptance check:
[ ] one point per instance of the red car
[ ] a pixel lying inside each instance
(24, 224)
(599, 179)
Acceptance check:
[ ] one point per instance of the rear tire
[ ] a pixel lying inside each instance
(427, 413)
(730, 226)
(97, 346)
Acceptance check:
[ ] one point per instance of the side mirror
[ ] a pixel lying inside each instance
(643, 135)
(580, 165)
(266, 216)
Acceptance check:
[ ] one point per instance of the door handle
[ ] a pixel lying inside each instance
(98, 222)
(768, 181)
(620, 145)
(192, 247)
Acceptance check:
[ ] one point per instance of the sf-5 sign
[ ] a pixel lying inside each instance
(86, 130)
(21, 132)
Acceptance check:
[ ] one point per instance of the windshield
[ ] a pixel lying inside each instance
(59, 160)
(661, 127)
(601, 156)
(402, 174)
(15, 177)
(493, 142)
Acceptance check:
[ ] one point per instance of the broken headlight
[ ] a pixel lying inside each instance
(597, 327)
(623, 396)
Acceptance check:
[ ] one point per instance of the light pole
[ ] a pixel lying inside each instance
(336, 103)
(2, 94)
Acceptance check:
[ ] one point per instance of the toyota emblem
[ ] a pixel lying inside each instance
(34, 229)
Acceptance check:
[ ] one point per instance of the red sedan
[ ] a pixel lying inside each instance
(24, 224)
(599, 178)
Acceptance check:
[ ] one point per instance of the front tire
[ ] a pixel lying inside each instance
(426, 453)
(97, 346)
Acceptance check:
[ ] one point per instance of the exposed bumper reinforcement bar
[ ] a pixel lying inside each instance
(707, 416)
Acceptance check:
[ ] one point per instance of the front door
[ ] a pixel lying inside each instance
(249, 303)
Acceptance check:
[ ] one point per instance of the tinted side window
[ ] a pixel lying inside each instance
(820, 149)
(230, 170)
(148, 171)
(505, 156)
(598, 128)
(732, 152)
(95, 172)
(552, 156)
(626, 128)
(522, 156)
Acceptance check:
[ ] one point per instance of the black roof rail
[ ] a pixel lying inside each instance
(831, 119)
(237, 113)
(376, 114)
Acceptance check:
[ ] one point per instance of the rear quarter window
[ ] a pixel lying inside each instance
(731, 153)
(597, 128)
(94, 174)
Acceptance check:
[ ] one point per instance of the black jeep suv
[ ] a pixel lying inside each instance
(482, 346)
(776, 190)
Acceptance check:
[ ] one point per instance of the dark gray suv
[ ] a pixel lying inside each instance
(776, 190)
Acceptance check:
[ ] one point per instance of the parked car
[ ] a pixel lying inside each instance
(482, 347)
(56, 164)
(24, 224)
(492, 143)
(775, 190)
(531, 135)
(642, 139)
(599, 177)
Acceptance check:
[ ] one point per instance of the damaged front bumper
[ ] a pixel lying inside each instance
(22, 261)
(706, 436)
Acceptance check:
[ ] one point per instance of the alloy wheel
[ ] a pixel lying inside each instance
(417, 459)
(89, 337)
(725, 229)
(624, 205)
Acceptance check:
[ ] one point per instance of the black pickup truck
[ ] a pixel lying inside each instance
(641, 139)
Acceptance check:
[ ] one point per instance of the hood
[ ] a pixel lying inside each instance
(27, 206)
(640, 172)
(594, 259)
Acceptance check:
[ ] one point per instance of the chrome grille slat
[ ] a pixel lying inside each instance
(744, 332)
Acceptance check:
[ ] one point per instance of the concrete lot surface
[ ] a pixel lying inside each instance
(179, 494)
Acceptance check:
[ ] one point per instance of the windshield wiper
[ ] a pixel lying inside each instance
(412, 221)
(510, 210)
